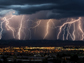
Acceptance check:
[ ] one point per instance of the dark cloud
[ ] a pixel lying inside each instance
(58, 8)
(21, 2)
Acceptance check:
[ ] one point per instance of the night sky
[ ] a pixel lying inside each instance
(42, 19)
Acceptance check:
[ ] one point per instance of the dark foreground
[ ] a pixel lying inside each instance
(39, 43)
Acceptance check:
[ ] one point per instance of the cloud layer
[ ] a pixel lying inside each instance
(55, 8)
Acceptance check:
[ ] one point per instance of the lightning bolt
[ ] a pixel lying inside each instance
(64, 33)
(81, 30)
(37, 24)
(74, 37)
(5, 20)
(68, 33)
(29, 29)
(68, 28)
(34, 27)
(20, 28)
(9, 27)
(47, 28)
(1, 29)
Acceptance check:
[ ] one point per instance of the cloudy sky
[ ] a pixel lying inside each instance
(41, 19)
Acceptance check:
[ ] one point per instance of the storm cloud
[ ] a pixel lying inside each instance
(57, 8)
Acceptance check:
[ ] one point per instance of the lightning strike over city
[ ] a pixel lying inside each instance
(50, 20)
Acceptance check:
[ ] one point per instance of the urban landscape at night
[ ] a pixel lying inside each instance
(46, 52)
(27, 54)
